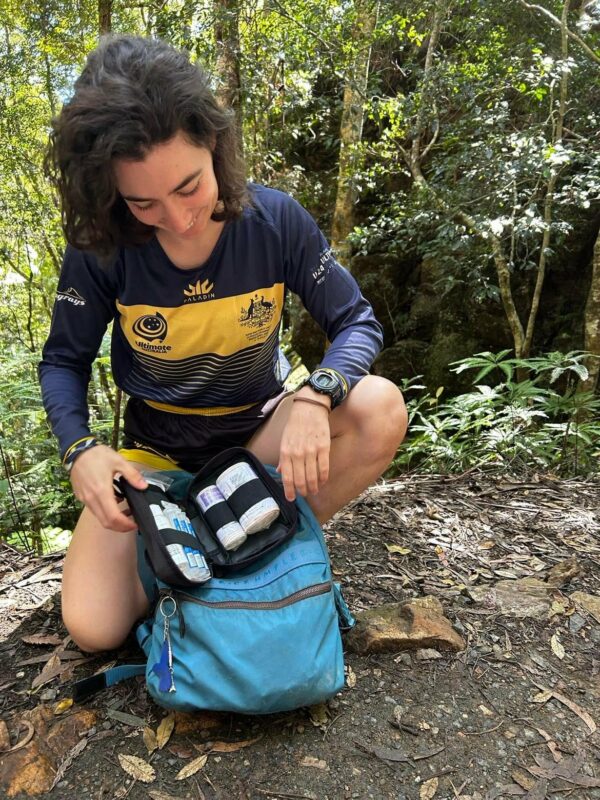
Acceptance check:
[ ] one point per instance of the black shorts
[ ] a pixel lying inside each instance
(166, 440)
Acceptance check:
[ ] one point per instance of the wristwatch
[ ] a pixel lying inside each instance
(329, 382)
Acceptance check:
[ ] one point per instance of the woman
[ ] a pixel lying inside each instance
(192, 264)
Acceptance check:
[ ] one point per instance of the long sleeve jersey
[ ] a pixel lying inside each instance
(205, 338)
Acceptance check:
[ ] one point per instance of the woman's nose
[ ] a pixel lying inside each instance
(177, 219)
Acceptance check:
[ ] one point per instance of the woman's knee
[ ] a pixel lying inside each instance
(102, 594)
(93, 635)
(379, 413)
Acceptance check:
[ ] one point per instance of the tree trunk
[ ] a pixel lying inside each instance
(351, 126)
(104, 16)
(592, 324)
(227, 39)
(550, 188)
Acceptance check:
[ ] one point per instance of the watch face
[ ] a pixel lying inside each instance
(325, 381)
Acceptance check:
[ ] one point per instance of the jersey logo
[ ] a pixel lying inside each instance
(151, 327)
(201, 290)
(71, 296)
(259, 312)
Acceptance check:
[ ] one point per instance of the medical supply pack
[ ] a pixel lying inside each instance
(253, 628)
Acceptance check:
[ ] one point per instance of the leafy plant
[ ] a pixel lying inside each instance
(517, 425)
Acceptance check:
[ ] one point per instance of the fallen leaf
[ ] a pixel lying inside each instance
(390, 754)
(563, 572)
(63, 705)
(557, 648)
(486, 711)
(4, 736)
(27, 738)
(231, 747)
(552, 746)
(68, 760)
(487, 544)
(396, 548)
(50, 671)
(539, 791)
(427, 654)
(567, 769)
(570, 704)
(54, 669)
(137, 768)
(428, 789)
(543, 697)
(523, 779)
(587, 602)
(127, 719)
(64, 655)
(42, 638)
(192, 768)
(319, 715)
(149, 738)
(183, 751)
(558, 607)
(351, 678)
(164, 730)
(311, 761)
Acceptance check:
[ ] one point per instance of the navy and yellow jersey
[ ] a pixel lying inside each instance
(202, 340)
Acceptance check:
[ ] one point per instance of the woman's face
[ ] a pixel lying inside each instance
(173, 188)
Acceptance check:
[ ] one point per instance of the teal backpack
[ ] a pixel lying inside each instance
(259, 638)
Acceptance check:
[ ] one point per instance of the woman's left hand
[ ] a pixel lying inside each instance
(305, 444)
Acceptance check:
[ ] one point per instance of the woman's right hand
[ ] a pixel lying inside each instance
(92, 478)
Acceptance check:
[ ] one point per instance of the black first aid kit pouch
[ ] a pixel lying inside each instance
(231, 513)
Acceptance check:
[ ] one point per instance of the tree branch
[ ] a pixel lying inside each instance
(555, 20)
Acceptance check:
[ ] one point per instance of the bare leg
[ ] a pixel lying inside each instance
(102, 595)
(366, 430)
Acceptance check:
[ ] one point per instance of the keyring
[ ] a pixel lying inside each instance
(162, 610)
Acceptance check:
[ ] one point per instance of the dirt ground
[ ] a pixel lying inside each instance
(514, 714)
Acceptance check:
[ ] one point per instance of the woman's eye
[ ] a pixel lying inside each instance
(143, 208)
(190, 192)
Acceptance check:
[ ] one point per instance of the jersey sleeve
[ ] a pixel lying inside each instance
(84, 305)
(331, 295)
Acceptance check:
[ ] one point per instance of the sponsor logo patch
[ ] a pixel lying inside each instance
(151, 327)
(199, 291)
(71, 296)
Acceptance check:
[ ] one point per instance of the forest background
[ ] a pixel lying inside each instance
(450, 152)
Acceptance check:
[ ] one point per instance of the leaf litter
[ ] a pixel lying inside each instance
(421, 535)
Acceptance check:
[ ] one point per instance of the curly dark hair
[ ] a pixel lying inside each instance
(133, 94)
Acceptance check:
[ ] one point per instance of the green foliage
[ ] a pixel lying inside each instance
(489, 108)
(33, 491)
(539, 422)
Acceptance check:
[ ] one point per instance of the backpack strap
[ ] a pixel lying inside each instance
(86, 687)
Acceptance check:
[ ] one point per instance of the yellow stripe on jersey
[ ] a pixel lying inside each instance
(217, 411)
(152, 460)
(213, 326)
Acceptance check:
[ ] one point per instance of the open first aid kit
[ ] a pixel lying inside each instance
(247, 616)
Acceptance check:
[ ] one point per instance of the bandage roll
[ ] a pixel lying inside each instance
(220, 517)
(248, 497)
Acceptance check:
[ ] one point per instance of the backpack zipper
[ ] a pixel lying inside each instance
(266, 605)
(270, 605)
